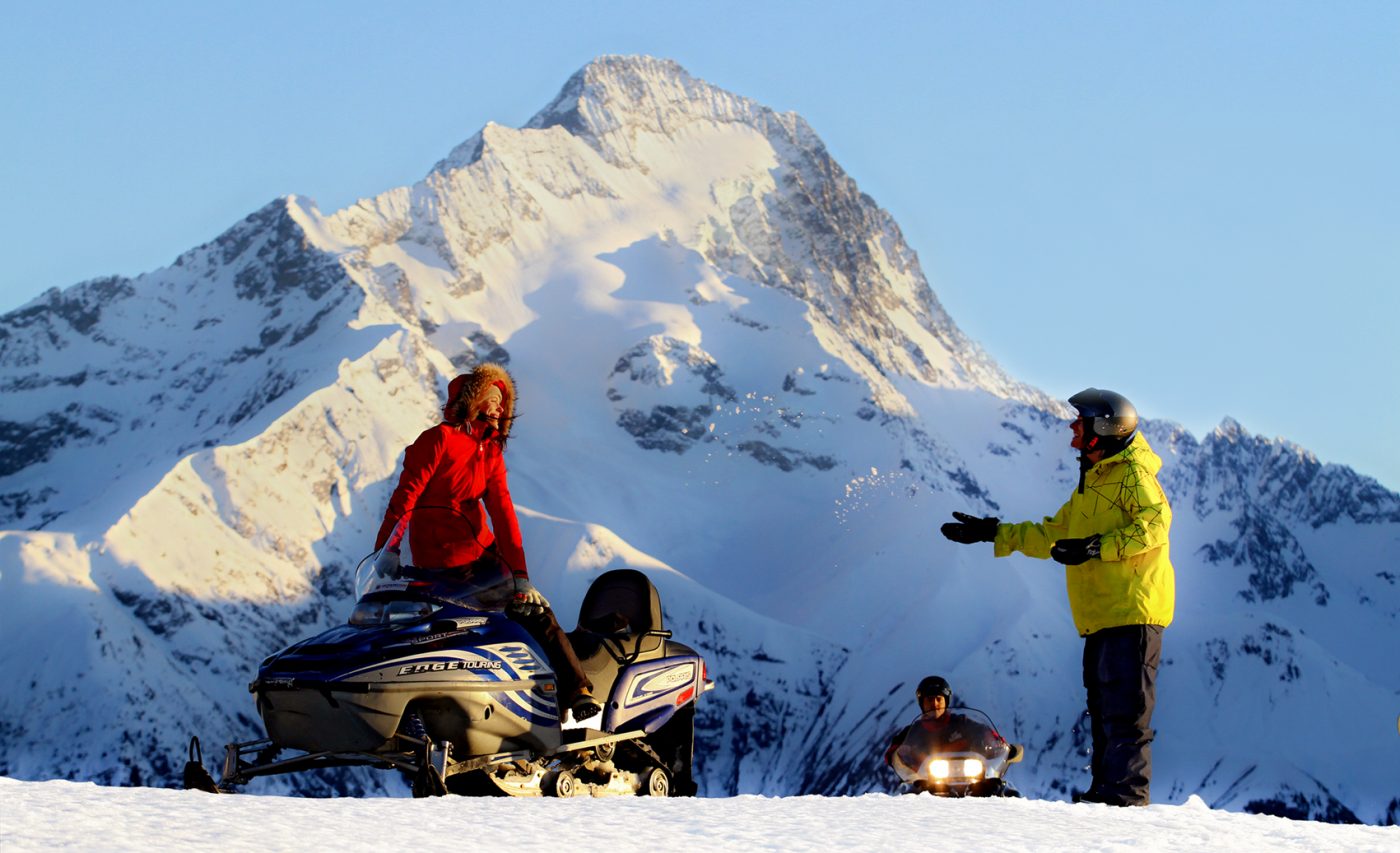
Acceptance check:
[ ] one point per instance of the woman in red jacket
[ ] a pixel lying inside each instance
(449, 473)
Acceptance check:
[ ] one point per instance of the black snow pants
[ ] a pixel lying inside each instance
(1120, 675)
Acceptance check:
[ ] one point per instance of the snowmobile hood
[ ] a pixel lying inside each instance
(447, 633)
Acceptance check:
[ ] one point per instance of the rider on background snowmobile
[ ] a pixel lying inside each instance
(1112, 537)
(937, 730)
(449, 472)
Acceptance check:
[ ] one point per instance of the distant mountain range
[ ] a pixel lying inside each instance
(733, 376)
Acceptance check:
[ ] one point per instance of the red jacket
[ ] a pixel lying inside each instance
(448, 473)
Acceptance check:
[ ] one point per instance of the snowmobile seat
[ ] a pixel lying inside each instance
(619, 624)
(624, 602)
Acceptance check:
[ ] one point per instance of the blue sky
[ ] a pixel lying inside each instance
(1196, 204)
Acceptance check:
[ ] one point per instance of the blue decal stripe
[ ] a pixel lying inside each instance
(525, 704)
(507, 700)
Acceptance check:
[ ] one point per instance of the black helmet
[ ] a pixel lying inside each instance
(934, 685)
(1107, 414)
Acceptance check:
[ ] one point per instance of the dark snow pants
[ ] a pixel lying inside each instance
(545, 628)
(1120, 675)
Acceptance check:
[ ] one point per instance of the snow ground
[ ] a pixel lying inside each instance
(83, 816)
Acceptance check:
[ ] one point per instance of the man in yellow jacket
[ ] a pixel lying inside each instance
(1111, 536)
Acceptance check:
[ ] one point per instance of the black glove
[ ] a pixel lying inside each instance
(969, 528)
(1072, 552)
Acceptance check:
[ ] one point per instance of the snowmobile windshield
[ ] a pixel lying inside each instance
(961, 731)
(382, 610)
(489, 588)
(389, 573)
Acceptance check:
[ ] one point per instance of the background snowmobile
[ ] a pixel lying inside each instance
(435, 680)
(967, 757)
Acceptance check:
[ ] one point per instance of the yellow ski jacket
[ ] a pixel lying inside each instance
(1131, 582)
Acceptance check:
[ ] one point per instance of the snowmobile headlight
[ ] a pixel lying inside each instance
(391, 612)
(938, 768)
(407, 611)
(367, 613)
(972, 767)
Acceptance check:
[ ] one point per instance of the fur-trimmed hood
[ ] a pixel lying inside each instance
(466, 392)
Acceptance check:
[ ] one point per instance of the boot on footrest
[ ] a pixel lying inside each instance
(584, 705)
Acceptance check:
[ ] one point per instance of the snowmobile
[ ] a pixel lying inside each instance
(965, 758)
(432, 678)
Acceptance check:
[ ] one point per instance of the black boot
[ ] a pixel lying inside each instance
(584, 705)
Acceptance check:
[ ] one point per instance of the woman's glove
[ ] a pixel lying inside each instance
(528, 599)
(969, 529)
(387, 563)
(1072, 552)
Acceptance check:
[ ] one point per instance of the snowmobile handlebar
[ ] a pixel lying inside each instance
(663, 633)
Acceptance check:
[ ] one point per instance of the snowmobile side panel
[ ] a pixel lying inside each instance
(646, 694)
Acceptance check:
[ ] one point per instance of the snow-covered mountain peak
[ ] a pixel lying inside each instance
(626, 94)
(608, 101)
(754, 192)
(1229, 429)
(1243, 468)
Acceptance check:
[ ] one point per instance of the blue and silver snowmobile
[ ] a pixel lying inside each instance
(432, 678)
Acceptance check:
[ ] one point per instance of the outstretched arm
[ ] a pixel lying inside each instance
(1032, 538)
